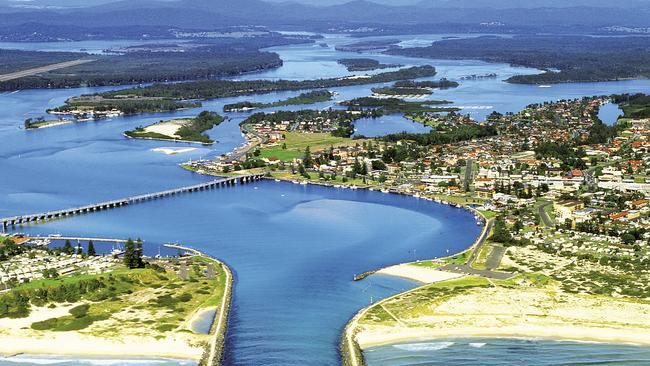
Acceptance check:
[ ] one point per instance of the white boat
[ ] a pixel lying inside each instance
(277, 180)
(544, 86)
(303, 183)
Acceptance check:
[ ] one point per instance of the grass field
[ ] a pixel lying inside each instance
(296, 142)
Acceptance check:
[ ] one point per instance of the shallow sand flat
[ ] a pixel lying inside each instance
(173, 150)
(524, 312)
(167, 128)
(421, 274)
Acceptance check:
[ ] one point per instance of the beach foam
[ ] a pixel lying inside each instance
(432, 346)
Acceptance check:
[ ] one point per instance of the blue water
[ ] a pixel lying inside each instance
(392, 123)
(498, 352)
(294, 249)
(609, 113)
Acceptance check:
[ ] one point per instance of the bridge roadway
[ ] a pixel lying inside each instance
(44, 216)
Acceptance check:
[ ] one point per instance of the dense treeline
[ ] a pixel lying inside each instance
(578, 58)
(634, 105)
(16, 60)
(566, 152)
(212, 89)
(364, 64)
(126, 106)
(396, 105)
(461, 133)
(312, 97)
(442, 84)
(201, 123)
(142, 67)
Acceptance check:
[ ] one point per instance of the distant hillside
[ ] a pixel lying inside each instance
(494, 16)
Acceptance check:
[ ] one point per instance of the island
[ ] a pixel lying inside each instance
(312, 97)
(364, 46)
(169, 97)
(73, 301)
(413, 89)
(562, 58)
(396, 105)
(364, 64)
(181, 129)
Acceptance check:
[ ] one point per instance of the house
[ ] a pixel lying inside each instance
(565, 209)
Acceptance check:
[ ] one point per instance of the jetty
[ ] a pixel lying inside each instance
(45, 216)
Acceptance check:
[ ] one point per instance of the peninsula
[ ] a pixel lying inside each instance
(182, 129)
(128, 307)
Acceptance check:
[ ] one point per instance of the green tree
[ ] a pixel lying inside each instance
(67, 247)
(129, 254)
(91, 249)
(307, 160)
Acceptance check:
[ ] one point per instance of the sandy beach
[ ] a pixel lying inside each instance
(16, 336)
(76, 344)
(506, 312)
(167, 128)
(421, 274)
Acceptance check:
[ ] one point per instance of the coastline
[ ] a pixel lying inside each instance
(214, 352)
(419, 274)
(493, 311)
(169, 140)
(76, 344)
(186, 346)
(567, 333)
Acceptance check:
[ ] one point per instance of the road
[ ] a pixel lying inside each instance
(42, 69)
(494, 259)
(468, 174)
(240, 152)
(466, 268)
(544, 216)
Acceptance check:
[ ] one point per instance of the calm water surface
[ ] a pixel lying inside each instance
(609, 113)
(294, 249)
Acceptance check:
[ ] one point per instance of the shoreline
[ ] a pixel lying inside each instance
(68, 344)
(566, 333)
(169, 140)
(189, 346)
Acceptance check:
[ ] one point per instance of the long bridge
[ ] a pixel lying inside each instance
(44, 216)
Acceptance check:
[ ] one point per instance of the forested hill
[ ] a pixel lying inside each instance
(204, 59)
(578, 58)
